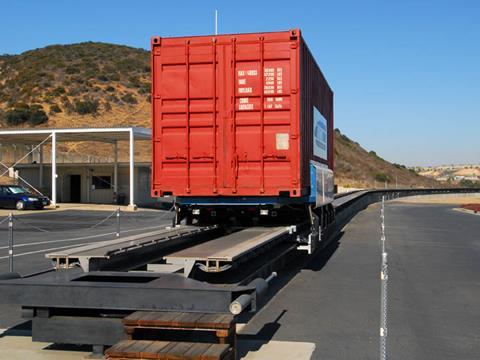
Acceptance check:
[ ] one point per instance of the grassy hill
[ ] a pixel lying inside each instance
(357, 168)
(79, 84)
(98, 84)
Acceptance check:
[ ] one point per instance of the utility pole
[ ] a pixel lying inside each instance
(216, 22)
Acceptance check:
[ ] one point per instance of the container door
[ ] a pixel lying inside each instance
(185, 139)
(262, 137)
(225, 118)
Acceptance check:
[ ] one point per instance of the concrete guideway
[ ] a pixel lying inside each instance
(92, 257)
(219, 254)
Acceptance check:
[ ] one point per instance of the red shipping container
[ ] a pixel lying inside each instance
(238, 115)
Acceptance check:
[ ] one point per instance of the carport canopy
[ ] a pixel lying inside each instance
(106, 135)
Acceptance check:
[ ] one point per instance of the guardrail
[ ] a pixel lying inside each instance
(346, 206)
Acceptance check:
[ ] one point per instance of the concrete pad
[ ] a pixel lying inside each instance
(455, 199)
(467, 211)
(278, 350)
(22, 347)
(100, 207)
(6, 212)
(63, 207)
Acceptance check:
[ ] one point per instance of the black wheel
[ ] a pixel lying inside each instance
(20, 205)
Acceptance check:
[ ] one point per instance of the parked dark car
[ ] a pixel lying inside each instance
(17, 197)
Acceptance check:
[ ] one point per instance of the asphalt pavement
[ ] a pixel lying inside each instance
(38, 233)
(328, 307)
(333, 303)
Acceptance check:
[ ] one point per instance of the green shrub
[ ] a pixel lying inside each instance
(74, 91)
(38, 117)
(129, 99)
(144, 89)
(134, 82)
(399, 166)
(71, 70)
(55, 109)
(382, 177)
(469, 183)
(58, 91)
(110, 89)
(107, 106)
(113, 98)
(17, 117)
(68, 106)
(86, 107)
(34, 115)
(114, 77)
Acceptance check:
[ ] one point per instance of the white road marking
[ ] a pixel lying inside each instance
(80, 238)
(71, 245)
(46, 250)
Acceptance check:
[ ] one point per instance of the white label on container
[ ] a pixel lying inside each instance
(282, 141)
(320, 138)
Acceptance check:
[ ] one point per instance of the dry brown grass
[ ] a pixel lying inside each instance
(454, 199)
(357, 168)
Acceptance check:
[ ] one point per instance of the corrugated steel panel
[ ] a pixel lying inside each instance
(230, 114)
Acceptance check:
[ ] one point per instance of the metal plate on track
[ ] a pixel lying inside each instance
(230, 247)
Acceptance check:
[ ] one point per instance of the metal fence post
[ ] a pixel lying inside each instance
(383, 289)
(10, 242)
(118, 222)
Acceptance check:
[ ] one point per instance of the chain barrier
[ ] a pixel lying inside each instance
(29, 225)
(103, 220)
(11, 218)
(117, 213)
(383, 291)
(10, 242)
(162, 216)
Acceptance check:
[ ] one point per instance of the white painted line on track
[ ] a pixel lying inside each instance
(81, 238)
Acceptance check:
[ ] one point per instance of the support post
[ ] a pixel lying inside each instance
(115, 169)
(30, 154)
(132, 205)
(118, 222)
(54, 169)
(40, 168)
(10, 242)
(383, 287)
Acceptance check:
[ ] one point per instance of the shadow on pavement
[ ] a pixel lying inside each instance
(22, 329)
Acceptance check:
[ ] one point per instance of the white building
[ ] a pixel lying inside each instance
(90, 182)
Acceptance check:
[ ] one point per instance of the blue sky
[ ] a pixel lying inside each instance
(406, 74)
